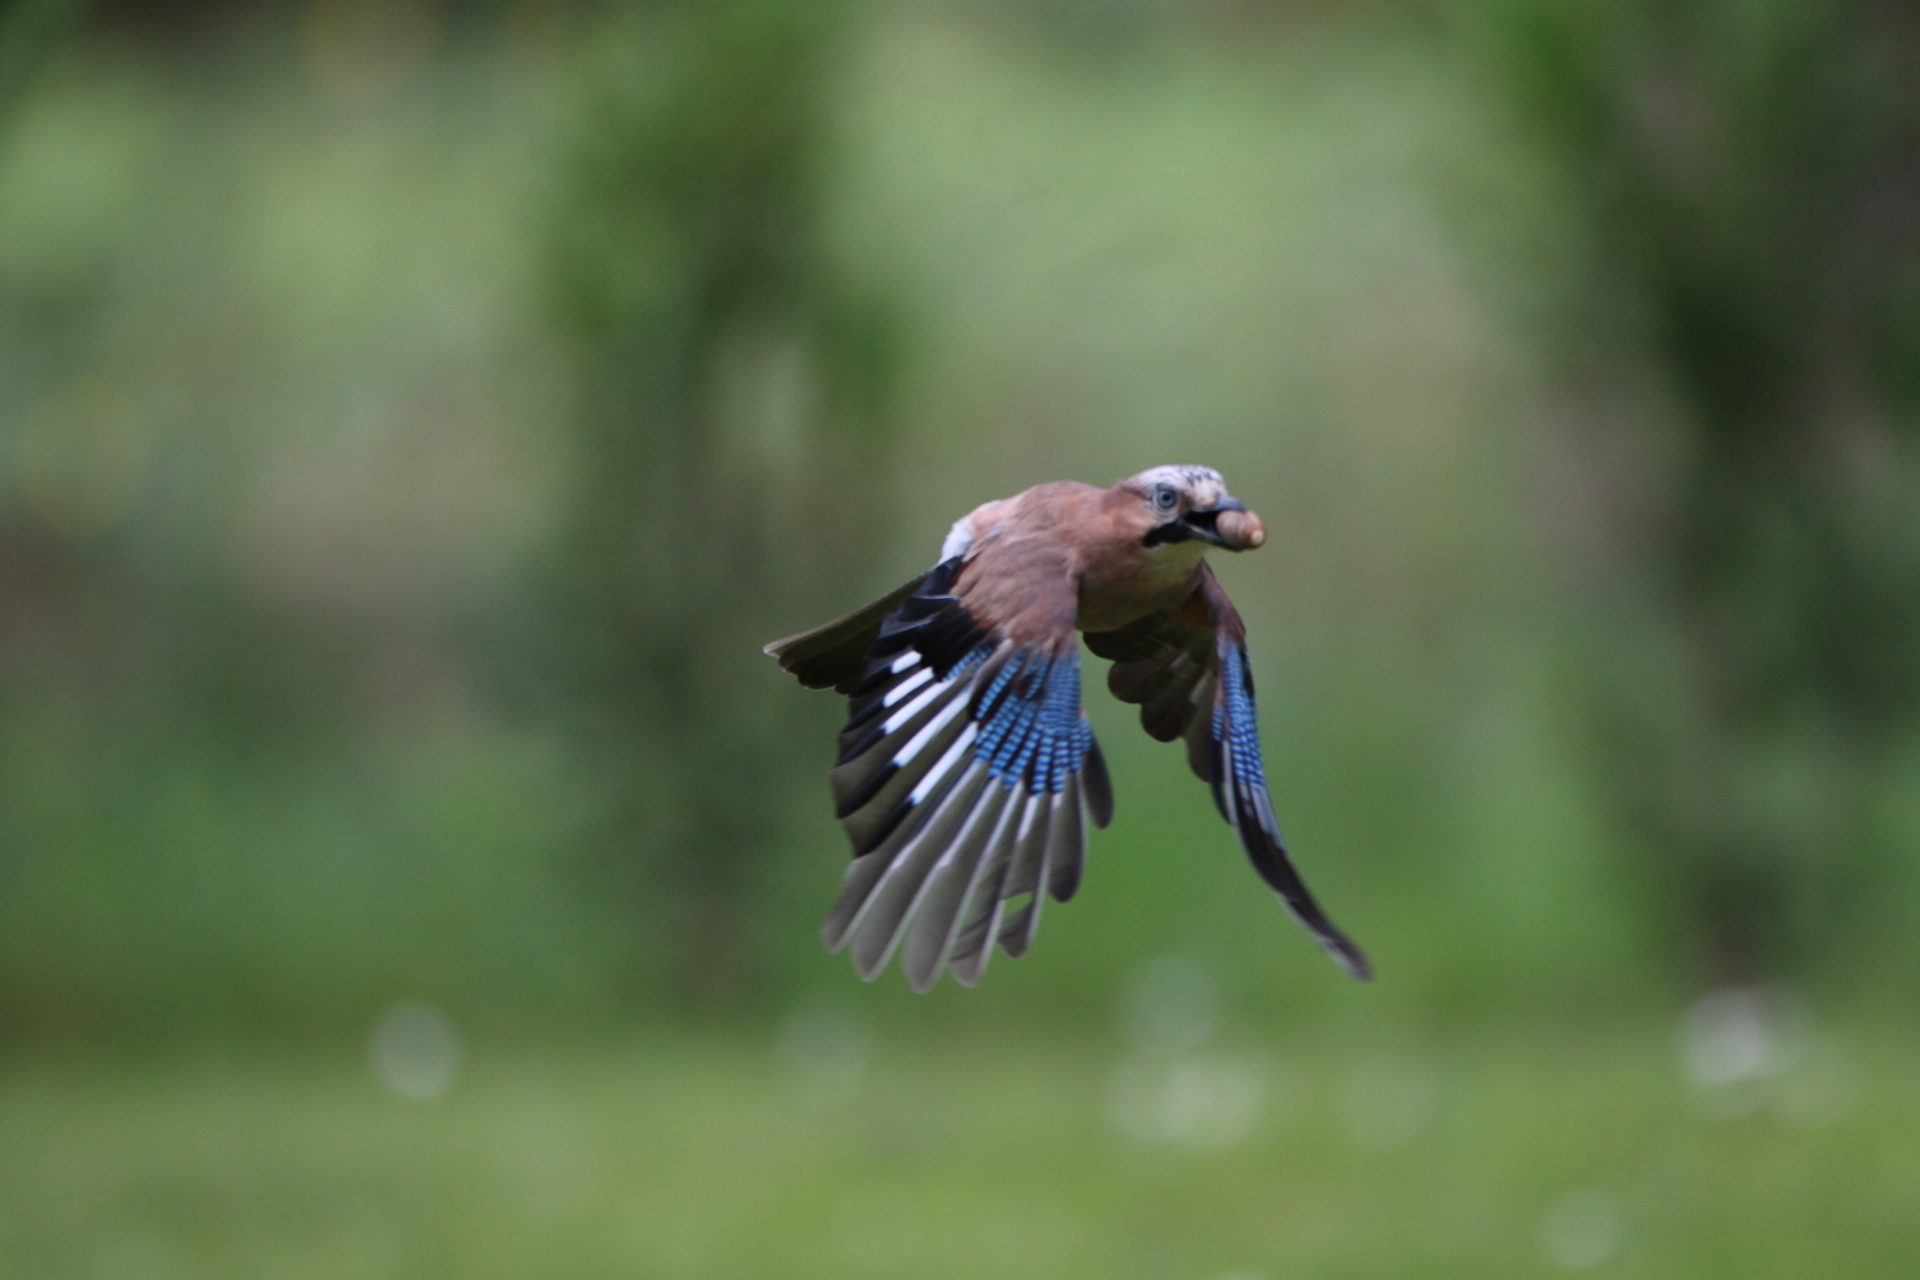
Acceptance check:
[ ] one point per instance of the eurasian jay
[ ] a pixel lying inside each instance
(967, 769)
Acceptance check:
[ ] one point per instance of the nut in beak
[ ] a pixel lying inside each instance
(1240, 530)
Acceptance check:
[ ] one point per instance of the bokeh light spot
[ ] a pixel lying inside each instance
(1581, 1230)
(1170, 1004)
(1193, 1101)
(824, 1048)
(416, 1052)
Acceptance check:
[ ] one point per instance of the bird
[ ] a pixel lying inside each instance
(967, 771)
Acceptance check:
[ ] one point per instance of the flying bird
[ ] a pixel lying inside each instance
(967, 771)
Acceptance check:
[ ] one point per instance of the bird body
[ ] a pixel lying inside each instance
(967, 772)
(1117, 578)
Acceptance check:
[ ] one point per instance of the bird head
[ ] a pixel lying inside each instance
(1184, 503)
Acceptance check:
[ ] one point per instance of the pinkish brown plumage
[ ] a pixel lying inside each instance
(967, 772)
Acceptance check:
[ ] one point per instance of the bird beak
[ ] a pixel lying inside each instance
(1206, 524)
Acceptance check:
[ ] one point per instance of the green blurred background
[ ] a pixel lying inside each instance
(415, 415)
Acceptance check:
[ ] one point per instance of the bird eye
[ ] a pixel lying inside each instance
(1165, 498)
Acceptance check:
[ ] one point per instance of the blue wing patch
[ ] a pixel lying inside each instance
(1034, 733)
(1240, 789)
(966, 770)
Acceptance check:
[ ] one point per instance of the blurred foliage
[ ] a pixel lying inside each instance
(1735, 352)
(732, 381)
(29, 29)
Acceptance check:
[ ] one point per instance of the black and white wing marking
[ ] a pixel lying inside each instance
(833, 655)
(967, 770)
(1188, 671)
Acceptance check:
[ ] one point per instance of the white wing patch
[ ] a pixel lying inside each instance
(907, 686)
(959, 538)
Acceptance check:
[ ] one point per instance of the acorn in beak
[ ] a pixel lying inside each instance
(1228, 524)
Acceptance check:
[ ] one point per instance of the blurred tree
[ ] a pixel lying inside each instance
(731, 377)
(29, 31)
(1741, 350)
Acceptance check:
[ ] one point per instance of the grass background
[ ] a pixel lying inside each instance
(1249, 1154)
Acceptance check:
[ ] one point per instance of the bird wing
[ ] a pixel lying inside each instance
(834, 654)
(967, 768)
(1187, 670)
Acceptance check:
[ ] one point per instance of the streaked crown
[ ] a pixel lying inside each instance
(1202, 486)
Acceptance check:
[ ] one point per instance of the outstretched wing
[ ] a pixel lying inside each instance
(966, 772)
(834, 654)
(1187, 669)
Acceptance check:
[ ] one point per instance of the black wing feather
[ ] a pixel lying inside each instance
(834, 654)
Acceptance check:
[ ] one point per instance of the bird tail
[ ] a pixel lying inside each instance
(833, 655)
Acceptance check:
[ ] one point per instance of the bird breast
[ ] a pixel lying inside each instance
(1136, 581)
